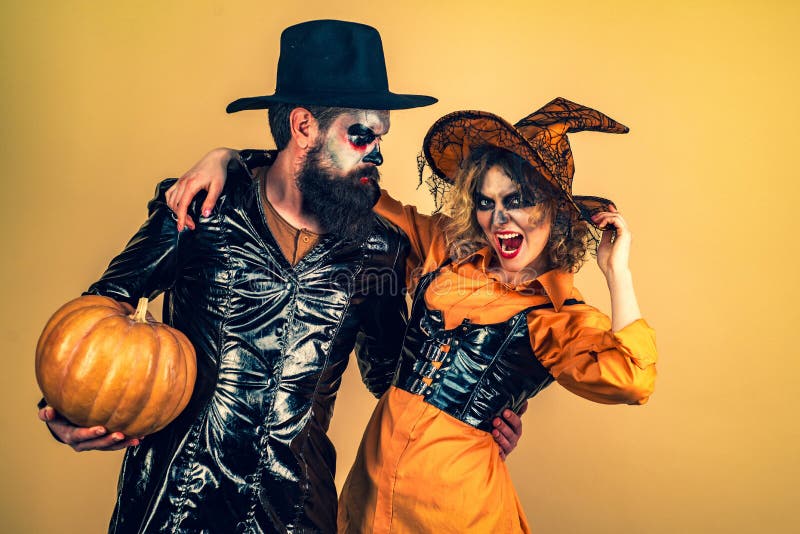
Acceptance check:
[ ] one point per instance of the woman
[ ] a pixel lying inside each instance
(495, 319)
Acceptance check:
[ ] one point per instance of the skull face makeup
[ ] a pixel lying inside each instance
(339, 178)
(517, 230)
(353, 140)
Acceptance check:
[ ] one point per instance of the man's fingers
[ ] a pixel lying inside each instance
(510, 434)
(67, 432)
(513, 421)
(77, 435)
(47, 414)
(85, 438)
(523, 409)
(102, 442)
(505, 445)
(111, 442)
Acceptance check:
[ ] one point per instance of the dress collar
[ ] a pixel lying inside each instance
(557, 284)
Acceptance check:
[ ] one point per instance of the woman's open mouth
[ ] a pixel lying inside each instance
(508, 244)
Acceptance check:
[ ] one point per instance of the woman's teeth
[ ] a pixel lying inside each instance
(509, 242)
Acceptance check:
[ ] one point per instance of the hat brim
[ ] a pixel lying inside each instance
(385, 100)
(452, 138)
(590, 205)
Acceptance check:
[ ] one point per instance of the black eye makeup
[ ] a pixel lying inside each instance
(513, 201)
(519, 200)
(483, 203)
(360, 136)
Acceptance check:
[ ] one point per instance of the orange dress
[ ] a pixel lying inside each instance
(418, 468)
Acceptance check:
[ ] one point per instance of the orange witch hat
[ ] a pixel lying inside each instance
(540, 139)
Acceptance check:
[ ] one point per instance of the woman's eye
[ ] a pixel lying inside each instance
(513, 202)
(484, 204)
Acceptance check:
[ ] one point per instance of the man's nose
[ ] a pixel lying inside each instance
(374, 157)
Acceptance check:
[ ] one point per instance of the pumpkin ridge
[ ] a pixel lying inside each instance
(91, 348)
(176, 369)
(52, 327)
(69, 361)
(110, 375)
(154, 420)
(147, 379)
(76, 304)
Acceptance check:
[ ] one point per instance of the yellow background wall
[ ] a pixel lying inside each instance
(99, 101)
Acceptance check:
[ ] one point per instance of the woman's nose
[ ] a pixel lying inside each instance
(500, 217)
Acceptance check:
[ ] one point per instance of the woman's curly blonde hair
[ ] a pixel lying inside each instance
(569, 240)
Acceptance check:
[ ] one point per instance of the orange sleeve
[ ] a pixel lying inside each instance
(428, 248)
(579, 349)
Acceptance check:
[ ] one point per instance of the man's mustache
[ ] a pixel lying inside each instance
(369, 171)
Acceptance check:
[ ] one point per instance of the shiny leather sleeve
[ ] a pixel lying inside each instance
(383, 322)
(149, 263)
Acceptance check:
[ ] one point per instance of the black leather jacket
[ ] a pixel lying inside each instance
(484, 368)
(250, 452)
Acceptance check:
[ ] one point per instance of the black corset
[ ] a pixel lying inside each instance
(484, 368)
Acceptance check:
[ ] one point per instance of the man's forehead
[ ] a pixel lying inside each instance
(375, 120)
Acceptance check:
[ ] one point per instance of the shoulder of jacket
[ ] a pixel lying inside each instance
(389, 231)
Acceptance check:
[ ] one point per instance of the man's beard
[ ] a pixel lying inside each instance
(341, 204)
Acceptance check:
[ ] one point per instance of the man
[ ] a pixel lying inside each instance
(276, 285)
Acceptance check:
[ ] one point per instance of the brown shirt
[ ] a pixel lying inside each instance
(294, 243)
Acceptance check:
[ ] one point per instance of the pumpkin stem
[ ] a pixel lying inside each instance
(140, 315)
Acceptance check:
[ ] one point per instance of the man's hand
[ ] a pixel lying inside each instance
(209, 174)
(84, 439)
(508, 429)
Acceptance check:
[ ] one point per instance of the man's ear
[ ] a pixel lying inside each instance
(304, 127)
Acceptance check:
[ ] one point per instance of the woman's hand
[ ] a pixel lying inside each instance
(615, 245)
(209, 174)
(612, 257)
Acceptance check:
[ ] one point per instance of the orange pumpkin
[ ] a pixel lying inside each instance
(99, 362)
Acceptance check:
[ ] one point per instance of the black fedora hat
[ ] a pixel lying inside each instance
(332, 63)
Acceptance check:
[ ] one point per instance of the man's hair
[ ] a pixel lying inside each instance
(279, 120)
